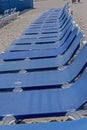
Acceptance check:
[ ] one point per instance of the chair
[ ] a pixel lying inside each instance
(48, 28)
(52, 50)
(40, 80)
(44, 103)
(61, 37)
(42, 64)
(58, 25)
(43, 43)
(51, 14)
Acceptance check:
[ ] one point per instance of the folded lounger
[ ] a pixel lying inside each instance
(70, 125)
(45, 79)
(44, 103)
(42, 64)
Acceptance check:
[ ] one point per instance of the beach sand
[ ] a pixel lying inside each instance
(14, 29)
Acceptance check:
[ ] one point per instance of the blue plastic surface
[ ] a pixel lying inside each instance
(39, 54)
(42, 64)
(70, 125)
(46, 25)
(41, 103)
(59, 41)
(40, 80)
(25, 44)
(50, 15)
(50, 101)
(48, 28)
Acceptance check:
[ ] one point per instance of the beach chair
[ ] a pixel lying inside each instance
(53, 13)
(25, 46)
(44, 103)
(38, 30)
(60, 39)
(51, 19)
(53, 29)
(52, 50)
(47, 28)
(38, 54)
(55, 34)
(47, 21)
(42, 64)
(40, 80)
(71, 125)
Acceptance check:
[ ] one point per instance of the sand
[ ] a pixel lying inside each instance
(14, 29)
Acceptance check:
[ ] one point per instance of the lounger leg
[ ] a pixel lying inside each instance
(75, 115)
(8, 120)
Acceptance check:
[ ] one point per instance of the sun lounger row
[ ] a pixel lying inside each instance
(43, 64)
(50, 55)
(43, 72)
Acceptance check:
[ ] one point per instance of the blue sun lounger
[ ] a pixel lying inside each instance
(44, 103)
(52, 51)
(54, 12)
(37, 30)
(54, 15)
(51, 14)
(70, 125)
(49, 28)
(54, 29)
(42, 64)
(60, 39)
(48, 22)
(26, 47)
(43, 43)
(35, 54)
(50, 18)
(40, 80)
